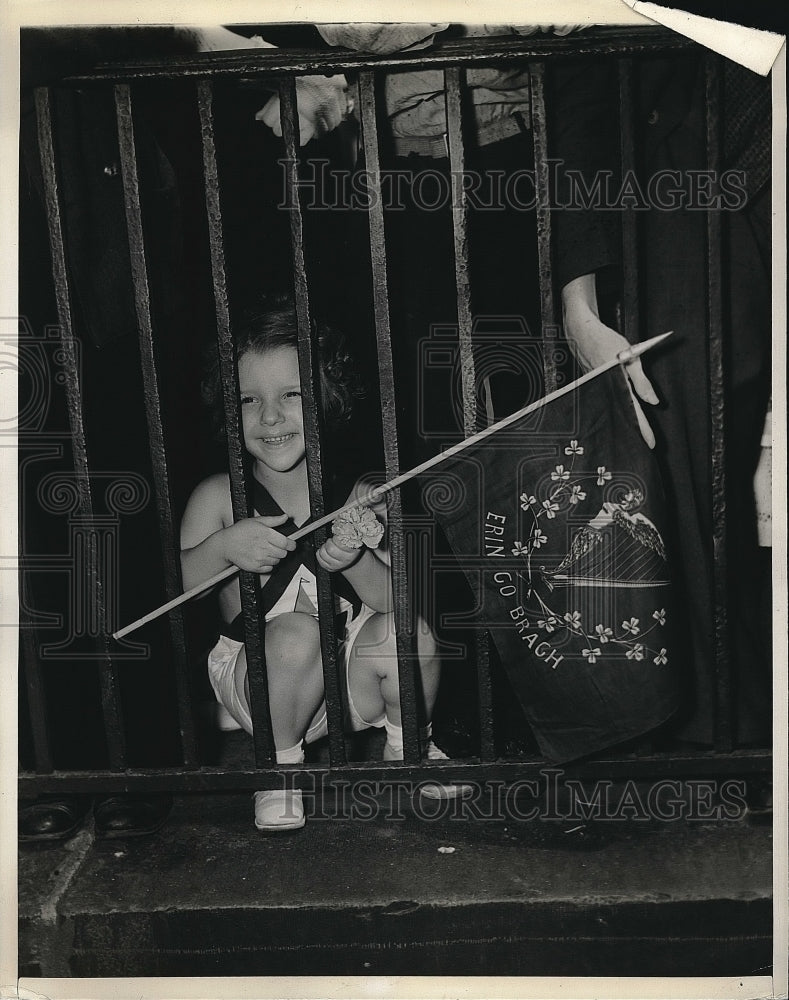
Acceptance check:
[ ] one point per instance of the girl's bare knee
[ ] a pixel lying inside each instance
(292, 640)
(380, 641)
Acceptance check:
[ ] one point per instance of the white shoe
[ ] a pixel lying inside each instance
(433, 791)
(279, 810)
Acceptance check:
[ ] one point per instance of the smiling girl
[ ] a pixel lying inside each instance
(273, 427)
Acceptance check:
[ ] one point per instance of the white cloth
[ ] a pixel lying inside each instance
(223, 663)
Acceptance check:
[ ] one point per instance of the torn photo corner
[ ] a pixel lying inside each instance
(752, 48)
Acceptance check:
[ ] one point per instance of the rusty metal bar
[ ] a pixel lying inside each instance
(543, 213)
(406, 644)
(153, 415)
(309, 372)
(723, 735)
(469, 52)
(251, 605)
(630, 319)
(110, 693)
(630, 315)
(214, 779)
(34, 681)
(454, 80)
(487, 750)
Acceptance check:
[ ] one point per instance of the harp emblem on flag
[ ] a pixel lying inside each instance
(580, 590)
(616, 548)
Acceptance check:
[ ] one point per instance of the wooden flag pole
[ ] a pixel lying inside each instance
(623, 358)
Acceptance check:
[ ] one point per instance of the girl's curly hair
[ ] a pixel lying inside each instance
(271, 324)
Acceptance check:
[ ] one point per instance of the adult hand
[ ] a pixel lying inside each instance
(253, 544)
(593, 344)
(322, 103)
(322, 100)
(335, 558)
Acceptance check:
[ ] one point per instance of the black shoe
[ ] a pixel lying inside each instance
(49, 819)
(759, 799)
(130, 815)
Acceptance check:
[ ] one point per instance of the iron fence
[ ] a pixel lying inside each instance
(282, 67)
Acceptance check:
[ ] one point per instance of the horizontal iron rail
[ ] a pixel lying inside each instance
(706, 764)
(468, 52)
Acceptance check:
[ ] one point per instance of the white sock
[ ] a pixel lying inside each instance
(291, 755)
(394, 734)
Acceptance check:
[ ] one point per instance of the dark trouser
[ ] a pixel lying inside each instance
(676, 301)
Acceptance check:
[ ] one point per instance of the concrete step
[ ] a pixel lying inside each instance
(401, 893)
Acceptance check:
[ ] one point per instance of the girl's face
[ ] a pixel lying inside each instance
(271, 408)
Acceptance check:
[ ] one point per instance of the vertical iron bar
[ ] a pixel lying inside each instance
(110, 695)
(309, 372)
(153, 415)
(630, 318)
(723, 685)
(249, 585)
(454, 79)
(630, 315)
(406, 646)
(543, 212)
(34, 682)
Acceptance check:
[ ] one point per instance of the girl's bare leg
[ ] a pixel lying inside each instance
(373, 686)
(373, 672)
(295, 677)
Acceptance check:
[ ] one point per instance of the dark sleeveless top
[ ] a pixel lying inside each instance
(285, 570)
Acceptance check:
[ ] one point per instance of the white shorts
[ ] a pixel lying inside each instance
(222, 669)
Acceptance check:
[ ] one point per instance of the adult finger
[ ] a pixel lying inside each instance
(643, 424)
(641, 384)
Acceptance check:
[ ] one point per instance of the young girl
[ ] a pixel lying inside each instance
(273, 427)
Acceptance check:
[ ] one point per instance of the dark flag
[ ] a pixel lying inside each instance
(557, 522)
